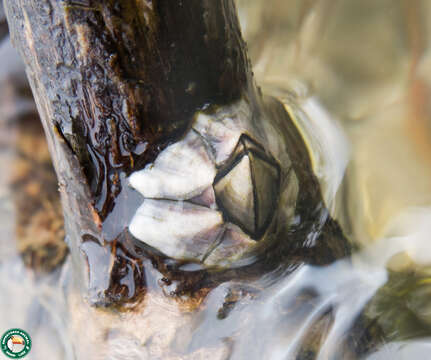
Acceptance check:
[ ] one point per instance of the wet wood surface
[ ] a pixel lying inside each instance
(118, 80)
(115, 82)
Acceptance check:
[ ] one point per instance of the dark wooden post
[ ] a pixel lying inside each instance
(115, 82)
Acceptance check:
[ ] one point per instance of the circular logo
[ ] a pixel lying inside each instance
(15, 343)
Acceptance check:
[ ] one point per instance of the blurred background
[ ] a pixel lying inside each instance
(368, 62)
(361, 71)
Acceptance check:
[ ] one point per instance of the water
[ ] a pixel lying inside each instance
(356, 74)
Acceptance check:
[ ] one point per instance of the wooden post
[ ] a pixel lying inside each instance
(114, 82)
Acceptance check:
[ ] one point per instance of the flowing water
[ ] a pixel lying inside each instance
(356, 74)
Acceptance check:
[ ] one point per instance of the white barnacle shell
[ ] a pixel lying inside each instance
(178, 229)
(223, 129)
(183, 170)
(211, 196)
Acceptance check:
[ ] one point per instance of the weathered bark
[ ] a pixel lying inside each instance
(115, 82)
(120, 79)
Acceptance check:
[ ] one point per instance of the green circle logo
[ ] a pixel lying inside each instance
(15, 343)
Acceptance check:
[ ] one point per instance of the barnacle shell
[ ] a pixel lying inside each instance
(178, 229)
(247, 188)
(182, 171)
(213, 196)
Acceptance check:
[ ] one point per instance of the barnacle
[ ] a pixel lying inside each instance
(212, 196)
